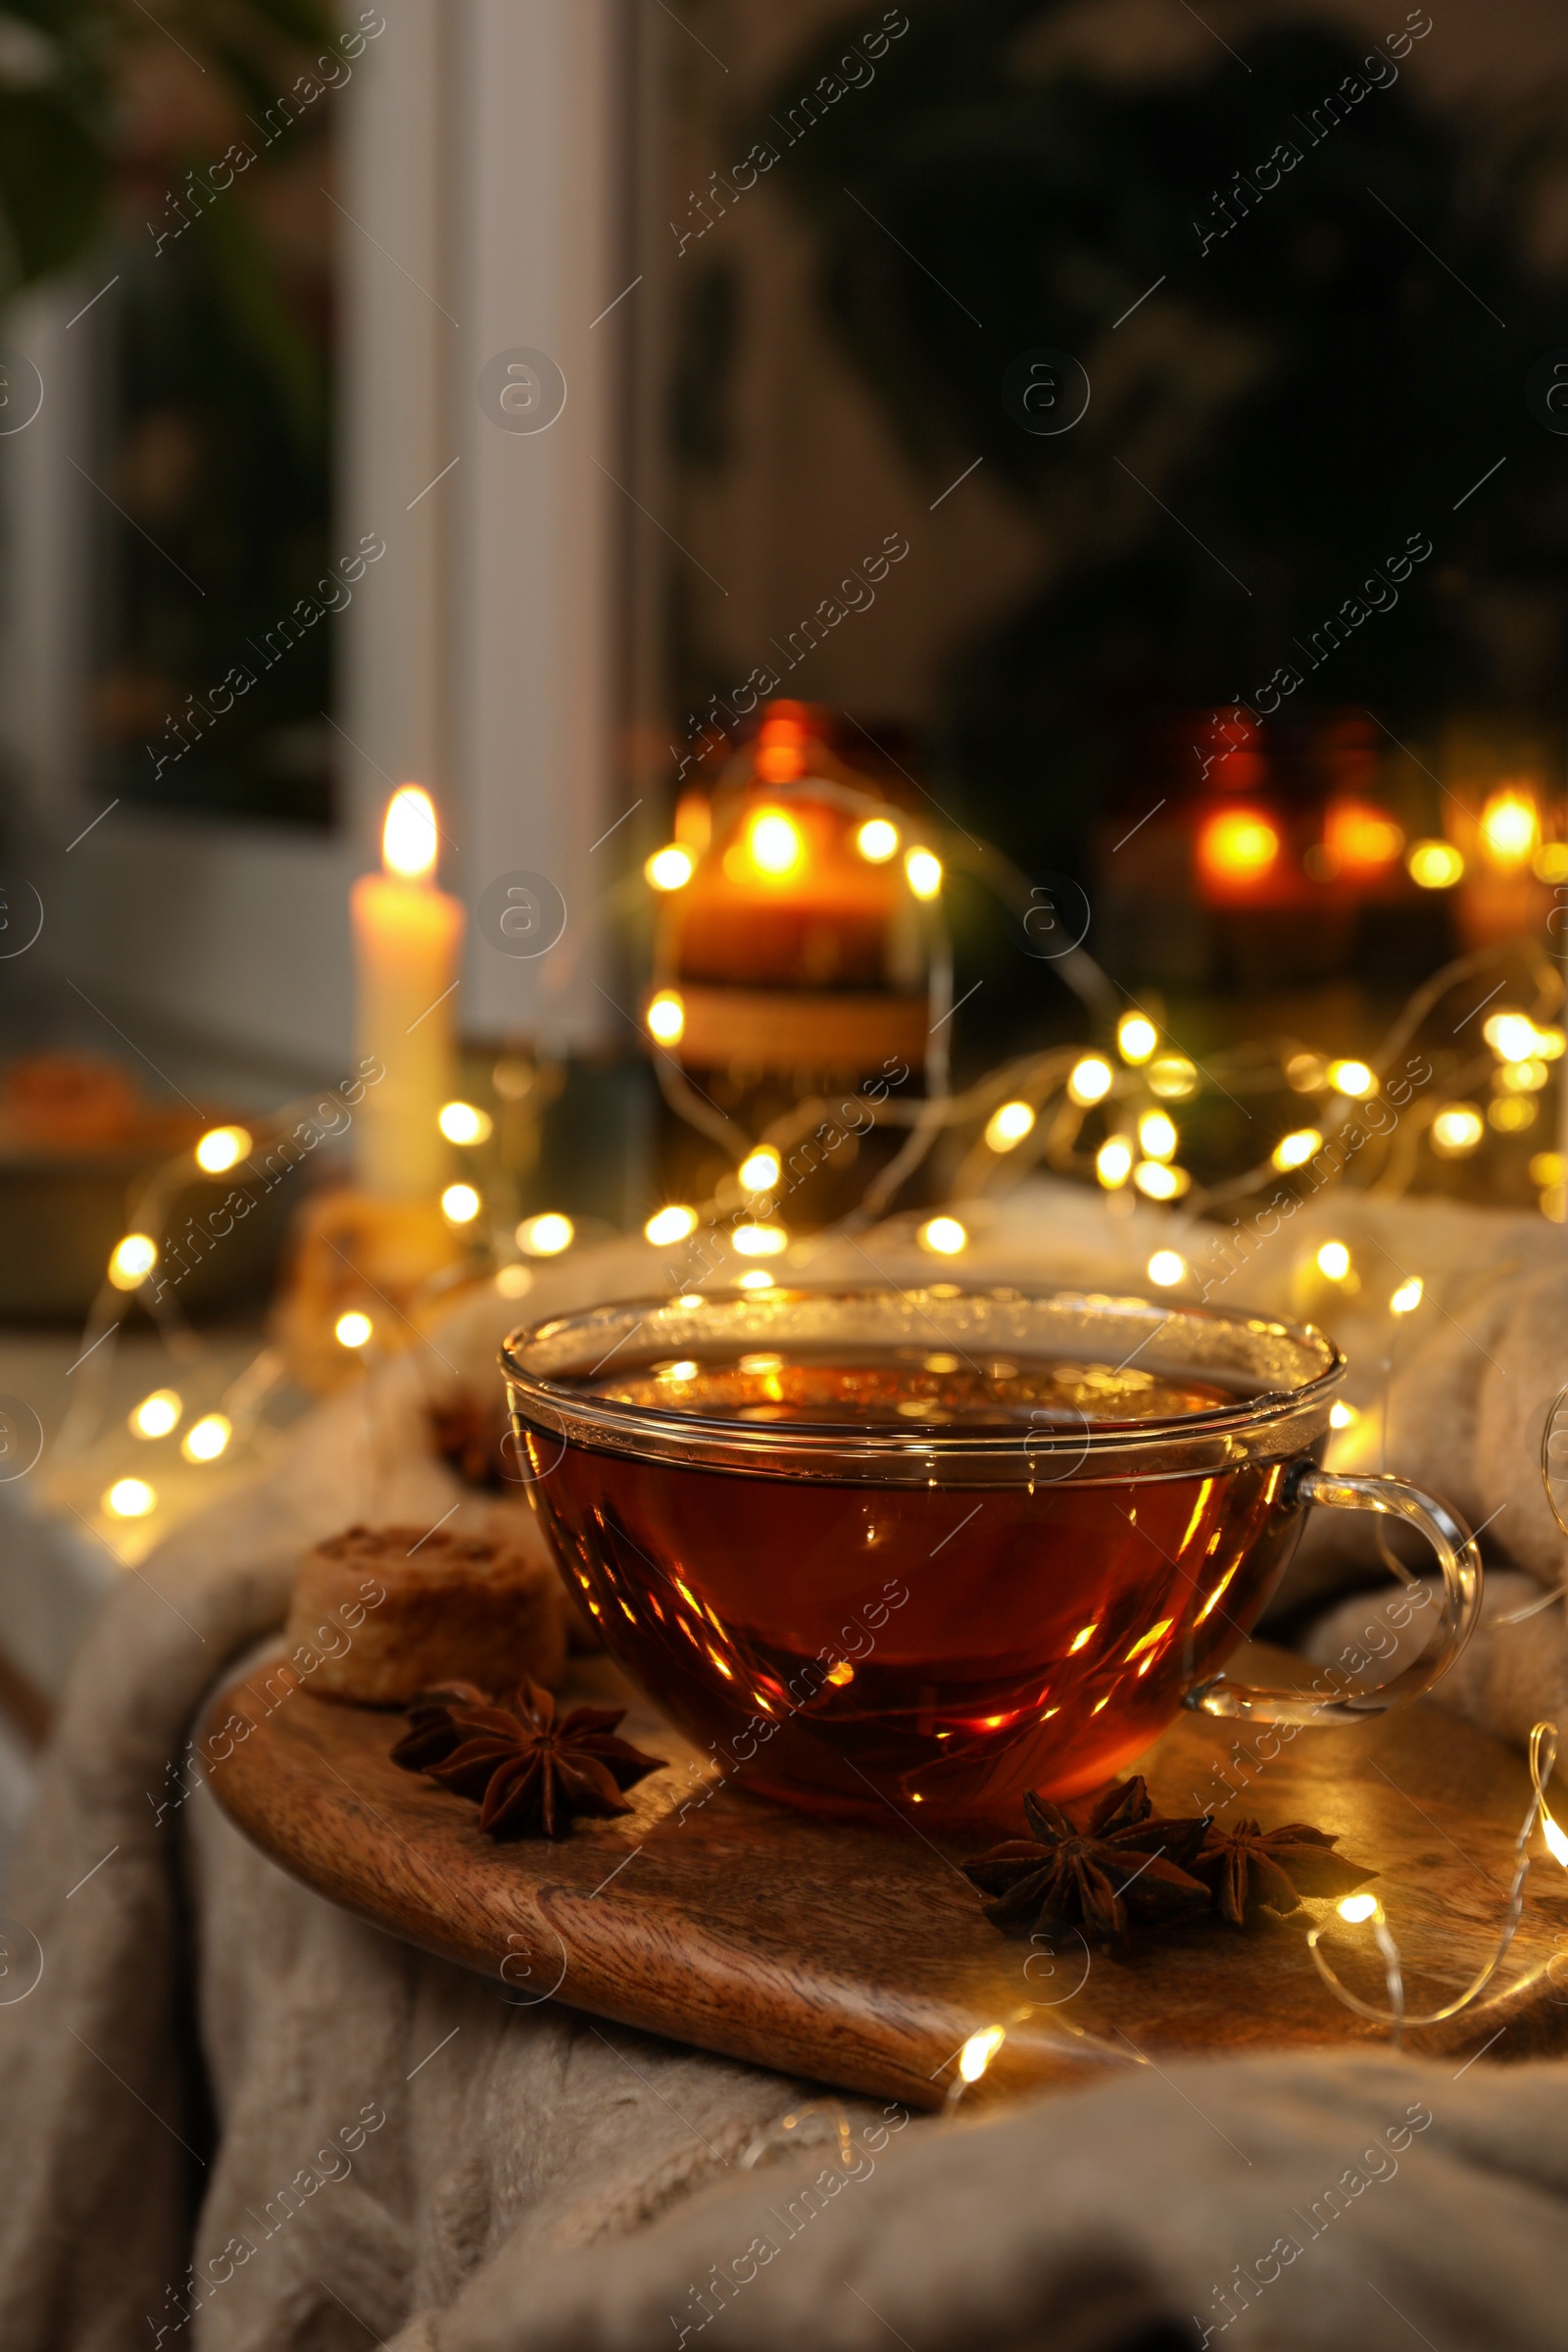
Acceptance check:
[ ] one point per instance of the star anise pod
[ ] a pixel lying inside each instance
(1248, 1870)
(1124, 1862)
(529, 1771)
(432, 1735)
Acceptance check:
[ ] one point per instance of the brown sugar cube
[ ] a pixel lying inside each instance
(388, 1611)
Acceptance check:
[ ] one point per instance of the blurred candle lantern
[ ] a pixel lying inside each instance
(407, 937)
(1238, 850)
(1360, 842)
(1357, 853)
(794, 916)
(1240, 836)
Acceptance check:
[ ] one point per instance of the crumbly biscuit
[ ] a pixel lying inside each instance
(391, 1610)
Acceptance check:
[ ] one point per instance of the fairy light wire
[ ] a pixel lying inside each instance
(1543, 1762)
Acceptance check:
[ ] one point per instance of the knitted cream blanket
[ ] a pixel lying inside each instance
(235, 2117)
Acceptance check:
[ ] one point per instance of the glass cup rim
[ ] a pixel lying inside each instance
(1267, 1423)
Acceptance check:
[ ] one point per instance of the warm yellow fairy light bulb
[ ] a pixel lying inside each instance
(465, 1123)
(132, 1261)
(670, 1224)
(409, 838)
(1556, 1838)
(1136, 1037)
(922, 871)
(670, 868)
(1295, 1150)
(1548, 1167)
(755, 1278)
(1156, 1134)
(1307, 1073)
(878, 840)
(130, 1498)
(221, 1148)
(773, 842)
(460, 1204)
(1522, 1077)
(1156, 1182)
(156, 1414)
(1357, 1909)
(352, 1330)
(1434, 864)
(1510, 828)
(1510, 1035)
(513, 1282)
(979, 2050)
(1550, 1043)
(207, 1438)
(1172, 1077)
(1114, 1163)
(1167, 1268)
(1343, 1416)
(758, 1241)
(760, 1169)
(1091, 1080)
(666, 1017)
(1353, 1078)
(1407, 1298)
(944, 1235)
(1457, 1130)
(1008, 1124)
(1334, 1260)
(546, 1236)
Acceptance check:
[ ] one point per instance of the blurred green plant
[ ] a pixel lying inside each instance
(60, 68)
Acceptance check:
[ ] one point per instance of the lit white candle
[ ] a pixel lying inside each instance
(407, 938)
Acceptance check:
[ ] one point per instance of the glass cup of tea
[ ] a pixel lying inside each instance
(932, 1548)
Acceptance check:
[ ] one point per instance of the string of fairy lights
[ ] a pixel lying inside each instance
(1117, 1117)
(1130, 1098)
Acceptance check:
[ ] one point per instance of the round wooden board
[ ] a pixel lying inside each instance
(859, 1956)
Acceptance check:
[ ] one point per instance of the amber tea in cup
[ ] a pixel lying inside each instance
(934, 1549)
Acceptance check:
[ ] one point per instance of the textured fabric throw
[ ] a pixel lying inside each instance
(237, 2118)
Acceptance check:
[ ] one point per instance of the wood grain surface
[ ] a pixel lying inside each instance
(859, 1956)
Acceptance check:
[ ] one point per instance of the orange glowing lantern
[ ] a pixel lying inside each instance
(795, 937)
(1236, 849)
(1361, 842)
(796, 912)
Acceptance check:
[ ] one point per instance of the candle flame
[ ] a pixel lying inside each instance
(409, 838)
(1238, 844)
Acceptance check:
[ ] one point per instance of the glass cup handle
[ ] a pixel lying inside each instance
(1461, 1562)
